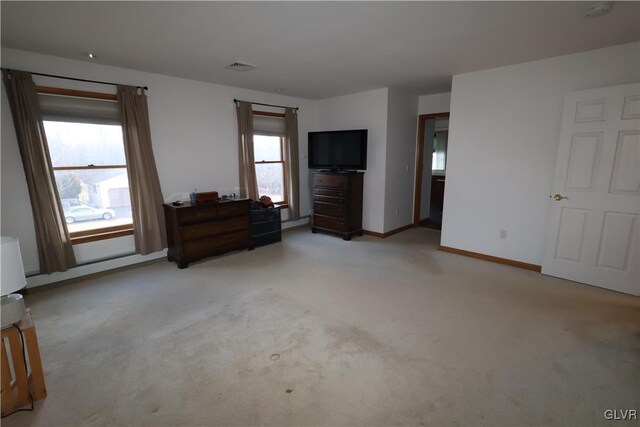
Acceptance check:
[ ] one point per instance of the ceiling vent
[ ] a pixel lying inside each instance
(598, 9)
(240, 66)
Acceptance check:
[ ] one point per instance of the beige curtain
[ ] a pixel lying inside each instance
(292, 162)
(247, 167)
(54, 244)
(144, 186)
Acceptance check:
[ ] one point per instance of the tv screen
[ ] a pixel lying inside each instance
(338, 149)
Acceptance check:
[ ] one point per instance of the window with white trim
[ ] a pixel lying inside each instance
(86, 148)
(268, 151)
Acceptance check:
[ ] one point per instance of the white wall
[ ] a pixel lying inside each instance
(194, 133)
(503, 138)
(365, 110)
(401, 159)
(431, 104)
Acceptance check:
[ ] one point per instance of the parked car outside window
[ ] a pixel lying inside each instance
(86, 213)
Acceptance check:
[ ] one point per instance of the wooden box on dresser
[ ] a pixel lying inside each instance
(196, 231)
(337, 203)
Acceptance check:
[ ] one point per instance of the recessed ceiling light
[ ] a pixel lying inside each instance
(598, 9)
(91, 55)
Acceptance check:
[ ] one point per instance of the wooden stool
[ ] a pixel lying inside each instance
(19, 386)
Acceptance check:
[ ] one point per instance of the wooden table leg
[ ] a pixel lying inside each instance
(20, 370)
(37, 375)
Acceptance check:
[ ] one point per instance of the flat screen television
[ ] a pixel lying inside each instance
(338, 149)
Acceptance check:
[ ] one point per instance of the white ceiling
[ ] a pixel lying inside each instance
(315, 49)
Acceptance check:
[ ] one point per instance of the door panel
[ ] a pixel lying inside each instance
(593, 234)
(626, 167)
(631, 109)
(571, 233)
(583, 161)
(591, 111)
(615, 245)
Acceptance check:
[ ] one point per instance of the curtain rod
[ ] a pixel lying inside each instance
(78, 80)
(266, 105)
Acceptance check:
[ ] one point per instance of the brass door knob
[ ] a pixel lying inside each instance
(558, 197)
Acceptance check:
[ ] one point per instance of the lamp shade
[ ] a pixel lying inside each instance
(12, 276)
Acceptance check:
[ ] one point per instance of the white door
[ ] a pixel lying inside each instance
(593, 233)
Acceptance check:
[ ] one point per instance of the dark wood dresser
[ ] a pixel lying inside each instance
(196, 231)
(337, 203)
(266, 226)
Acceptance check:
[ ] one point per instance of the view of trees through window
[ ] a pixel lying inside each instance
(269, 166)
(91, 176)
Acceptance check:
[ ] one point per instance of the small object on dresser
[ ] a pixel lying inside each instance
(266, 201)
(193, 196)
(177, 203)
(207, 197)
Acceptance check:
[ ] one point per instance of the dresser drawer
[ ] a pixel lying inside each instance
(259, 215)
(266, 227)
(330, 193)
(197, 214)
(200, 248)
(329, 199)
(266, 239)
(330, 209)
(206, 229)
(232, 209)
(331, 181)
(330, 223)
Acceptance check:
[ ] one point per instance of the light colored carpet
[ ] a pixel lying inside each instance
(371, 331)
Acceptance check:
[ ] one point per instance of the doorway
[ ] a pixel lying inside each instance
(431, 165)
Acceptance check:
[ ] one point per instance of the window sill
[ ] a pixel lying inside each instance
(101, 234)
(282, 205)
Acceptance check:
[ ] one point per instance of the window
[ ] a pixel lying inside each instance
(270, 167)
(439, 159)
(87, 155)
(268, 151)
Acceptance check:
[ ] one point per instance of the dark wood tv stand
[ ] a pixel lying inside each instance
(337, 203)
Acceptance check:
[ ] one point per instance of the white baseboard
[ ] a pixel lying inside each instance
(297, 223)
(123, 261)
(91, 268)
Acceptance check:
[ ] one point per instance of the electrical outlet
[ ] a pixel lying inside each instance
(503, 234)
(396, 212)
(406, 168)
